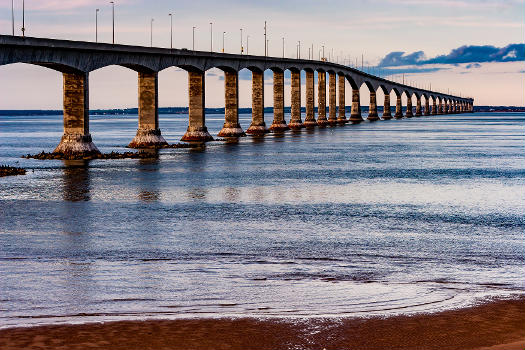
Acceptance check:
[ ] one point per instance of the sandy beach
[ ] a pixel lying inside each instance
(498, 325)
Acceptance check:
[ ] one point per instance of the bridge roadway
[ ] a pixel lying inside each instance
(76, 59)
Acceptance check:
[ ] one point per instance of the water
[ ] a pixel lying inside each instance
(416, 215)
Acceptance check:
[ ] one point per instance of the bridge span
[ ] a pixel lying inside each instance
(76, 59)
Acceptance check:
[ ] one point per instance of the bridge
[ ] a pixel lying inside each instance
(76, 59)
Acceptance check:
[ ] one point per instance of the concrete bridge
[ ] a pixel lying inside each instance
(76, 59)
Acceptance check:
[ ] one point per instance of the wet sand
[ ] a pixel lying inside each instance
(498, 325)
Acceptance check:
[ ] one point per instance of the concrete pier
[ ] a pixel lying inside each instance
(399, 107)
(278, 124)
(445, 107)
(341, 118)
(440, 107)
(332, 114)
(76, 139)
(355, 112)
(372, 108)
(295, 120)
(197, 130)
(321, 99)
(309, 120)
(409, 112)
(148, 134)
(427, 106)
(231, 127)
(258, 126)
(418, 106)
(387, 113)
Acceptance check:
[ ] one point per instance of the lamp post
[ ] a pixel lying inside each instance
(211, 36)
(193, 38)
(113, 18)
(96, 25)
(265, 41)
(247, 44)
(23, 18)
(171, 30)
(283, 47)
(151, 33)
(299, 50)
(242, 49)
(323, 51)
(223, 34)
(13, 15)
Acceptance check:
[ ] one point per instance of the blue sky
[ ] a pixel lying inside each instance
(411, 36)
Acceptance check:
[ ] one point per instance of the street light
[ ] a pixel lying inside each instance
(299, 51)
(96, 25)
(151, 33)
(211, 36)
(242, 49)
(265, 41)
(23, 18)
(13, 15)
(323, 51)
(113, 18)
(171, 30)
(283, 47)
(193, 39)
(223, 33)
(247, 44)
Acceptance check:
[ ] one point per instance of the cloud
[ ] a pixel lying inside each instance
(473, 65)
(400, 70)
(463, 54)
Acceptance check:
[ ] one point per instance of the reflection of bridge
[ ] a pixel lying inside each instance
(76, 59)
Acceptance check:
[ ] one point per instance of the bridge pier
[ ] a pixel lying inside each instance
(341, 118)
(148, 133)
(372, 108)
(409, 113)
(446, 107)
(399, 108)
(321, 99)
(440, 107)
(278, 124)
(387, 114)
(427, 106)
(418, 106)
(76, 139)
(309, 120)
(434, 107)
(257, 126)
(355, 113)
(332, 115)
(197, 130)
(295, 120)
(231, 127)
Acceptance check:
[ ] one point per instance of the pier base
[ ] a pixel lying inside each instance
(197, 130)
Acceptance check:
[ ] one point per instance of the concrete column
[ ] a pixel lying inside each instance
(434, 107)
(197, 130)
(278, 124)
(321, 99)
(148, 134)
(409, 113)
(231, 127)
(295, 121)
(387, 114)
(258, 126)
(445, 107)
(399, 108)
(372, 108)
(427, 106)
(455, 106)
(332, 115)
(310, 121)
(355, 113)
(341, 118)
(440, 107)
(76, 139)
(418, 106)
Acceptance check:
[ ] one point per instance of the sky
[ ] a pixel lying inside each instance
(474, 48)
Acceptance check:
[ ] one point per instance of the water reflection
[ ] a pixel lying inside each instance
(148, 178)
(76, 182)
(197, 164)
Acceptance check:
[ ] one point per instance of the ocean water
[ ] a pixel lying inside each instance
(392, 217)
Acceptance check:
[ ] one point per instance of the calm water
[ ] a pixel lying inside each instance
(382, 218)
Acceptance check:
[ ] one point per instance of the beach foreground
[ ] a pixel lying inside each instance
(497, 325)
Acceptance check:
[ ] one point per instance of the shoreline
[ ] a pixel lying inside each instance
(494, 325)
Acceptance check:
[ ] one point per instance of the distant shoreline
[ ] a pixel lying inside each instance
(184, 110)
